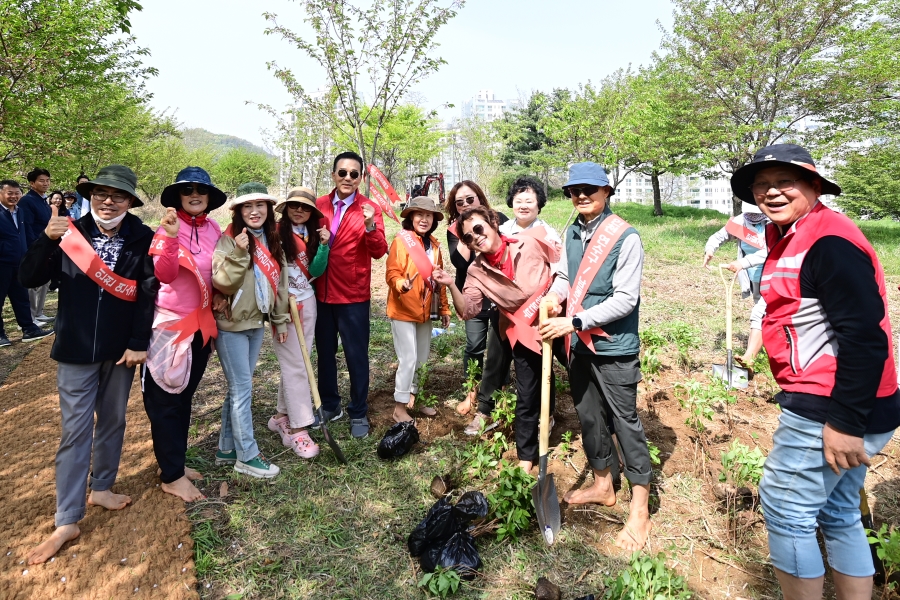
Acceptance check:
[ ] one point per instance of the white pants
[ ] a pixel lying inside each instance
(412, 343)
(294, 398)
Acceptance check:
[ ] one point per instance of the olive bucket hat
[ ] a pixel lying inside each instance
(171, 196)
(114, 176)
(303, 196)
(425, 204)
(247, 192)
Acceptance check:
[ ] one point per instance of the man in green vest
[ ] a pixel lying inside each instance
(602, 260)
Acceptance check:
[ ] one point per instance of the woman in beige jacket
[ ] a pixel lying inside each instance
(249, 268)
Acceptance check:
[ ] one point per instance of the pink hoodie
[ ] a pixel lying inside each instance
(178, 290)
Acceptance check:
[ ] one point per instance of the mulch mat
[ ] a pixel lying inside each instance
(142, 551)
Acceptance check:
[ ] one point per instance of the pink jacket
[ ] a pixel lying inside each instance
(178, 290)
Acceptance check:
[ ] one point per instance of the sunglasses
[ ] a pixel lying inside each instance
(467, 201)
(469, 238)
(189, 188)
(577, 192)
(354, 175)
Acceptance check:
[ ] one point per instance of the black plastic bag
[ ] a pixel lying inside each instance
(398, 440)
(435, 529)
(472, 505)
(430, 559)
(460, 554)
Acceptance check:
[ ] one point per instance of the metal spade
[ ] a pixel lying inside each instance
(543, 494)
(734, 377)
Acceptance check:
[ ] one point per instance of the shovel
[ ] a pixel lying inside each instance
(317, 402)
(543, 494)
(734, 377)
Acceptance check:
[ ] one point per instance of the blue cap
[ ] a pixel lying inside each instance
(170, 196)
(588, 173)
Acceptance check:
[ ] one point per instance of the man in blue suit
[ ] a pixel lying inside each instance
(35, 204)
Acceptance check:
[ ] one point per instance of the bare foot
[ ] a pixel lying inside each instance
(601, 492)
(425, 410)
(465, 407)
(400, 414)
(634, 536)
(192, 474)
(183, 488)
(108, 500)
(50, 546)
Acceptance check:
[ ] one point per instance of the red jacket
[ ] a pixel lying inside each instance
(348, 277)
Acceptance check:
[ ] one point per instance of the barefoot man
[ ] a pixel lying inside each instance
(602, 261)
(107, 293)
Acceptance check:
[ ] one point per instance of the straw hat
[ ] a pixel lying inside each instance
(300, 195)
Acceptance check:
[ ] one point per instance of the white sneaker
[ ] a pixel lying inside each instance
(257, 467)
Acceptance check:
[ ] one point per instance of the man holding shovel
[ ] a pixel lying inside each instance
(602, 260)
(825, 326)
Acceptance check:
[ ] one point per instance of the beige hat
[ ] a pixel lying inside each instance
(301, 195)
(423, 203)
(248, 192)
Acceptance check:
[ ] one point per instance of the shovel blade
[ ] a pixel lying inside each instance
(740, 378)
(546, 506)
(331, 441)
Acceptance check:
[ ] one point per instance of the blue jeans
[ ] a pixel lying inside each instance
(352, 322)
(799, 492)
(238, 351)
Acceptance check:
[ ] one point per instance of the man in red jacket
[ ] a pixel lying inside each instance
(343, 292)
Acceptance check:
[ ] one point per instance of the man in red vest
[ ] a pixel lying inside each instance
(107, 293)
(828, 335)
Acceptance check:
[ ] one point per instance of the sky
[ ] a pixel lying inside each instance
(212, 54)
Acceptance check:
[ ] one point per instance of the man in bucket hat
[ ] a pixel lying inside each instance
(825, 326)
(107, 293)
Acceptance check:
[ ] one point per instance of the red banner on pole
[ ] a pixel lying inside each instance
(384, 183)
(386, 206)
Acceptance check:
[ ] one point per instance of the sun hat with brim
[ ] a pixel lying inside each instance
(790, 155)
(588, 173)
(114, 176)
(425, 204)
(171, 197)
(300, 195)
(248, 192)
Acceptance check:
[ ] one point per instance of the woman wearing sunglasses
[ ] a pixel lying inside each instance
(183, 322)
(465, 195)
(306, 254)
(514, 273)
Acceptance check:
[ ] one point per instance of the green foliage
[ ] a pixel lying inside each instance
(442, 583)
(654, 452)
(652, 344)
(887, 547)
(694, 397)
(479, 460)
(473, 374)
(870, 180)
(647, 578)
(504, 411)
(685, 337)
(423, 398)
(206, 542)
(240, 165)
(511, 503)
(565, 446)
(742, 465)
(761, 362)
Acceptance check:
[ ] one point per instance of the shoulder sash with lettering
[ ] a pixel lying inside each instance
(601, 244)
(263, 259)
(302, 258)
(82, 253)
(201, 318)
(414, 247)
(522, 327)
(745, 234)
(386, 206)
(383, 202)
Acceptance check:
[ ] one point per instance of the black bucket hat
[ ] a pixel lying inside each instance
(114, 176)
(171, 198)
(772, 156)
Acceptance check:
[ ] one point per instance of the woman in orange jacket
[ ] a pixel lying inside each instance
(414, 299)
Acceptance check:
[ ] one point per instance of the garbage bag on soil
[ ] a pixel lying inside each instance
(435, 529)
(472, 505)
(461, 555)
(398, 440)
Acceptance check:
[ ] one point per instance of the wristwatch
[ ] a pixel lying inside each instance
(576, 323)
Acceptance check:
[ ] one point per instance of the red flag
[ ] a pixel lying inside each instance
(384, 183)
(386, 206)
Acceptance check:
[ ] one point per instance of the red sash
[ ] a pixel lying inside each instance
(521, 323)
(388, 189)
(263, 259)
(603, 241)
(302, 259)
(80, 251)
(201, 318)
(386, 207)
(417, 253)
(745, 234)
(452, 228)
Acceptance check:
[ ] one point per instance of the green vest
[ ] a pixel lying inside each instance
(623, 333)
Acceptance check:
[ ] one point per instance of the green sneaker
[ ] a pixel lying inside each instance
(257, 467)
(226, 458)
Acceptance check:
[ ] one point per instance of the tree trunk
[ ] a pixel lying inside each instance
(657, 194)
(735, 206)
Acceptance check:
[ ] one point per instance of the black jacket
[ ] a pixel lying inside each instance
(14, 241)
(92, 326)
(38, 213)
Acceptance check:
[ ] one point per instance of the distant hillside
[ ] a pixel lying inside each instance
(197, 138)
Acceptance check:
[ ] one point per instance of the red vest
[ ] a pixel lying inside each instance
(797, 335)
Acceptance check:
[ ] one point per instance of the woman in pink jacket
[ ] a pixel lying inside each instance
(183, 324)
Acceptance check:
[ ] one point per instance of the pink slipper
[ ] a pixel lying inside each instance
(282, 428)
(303, 445)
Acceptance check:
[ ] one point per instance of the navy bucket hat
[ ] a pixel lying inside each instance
(171, 198)
(588, 173)
(790, 155)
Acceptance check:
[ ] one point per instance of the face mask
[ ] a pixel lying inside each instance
(108, 224)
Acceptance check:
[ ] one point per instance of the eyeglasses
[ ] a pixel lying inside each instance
(467, 201)
(577, 192)
(782, 185)
(298, 206)
(342, 173)
(469, 238)
(117, 198)
(188, 189)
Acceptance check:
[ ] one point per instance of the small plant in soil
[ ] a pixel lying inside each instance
(423, 398)
(654, 452)
(647, 577)
(652, 344)
(887, 547)
(695, 399)
(504, 411)
(511, 502)
(442, 583)
(473, 373)
(497, 445)
(565, 446)
(686, 338)
(741, 465)
(478, 460)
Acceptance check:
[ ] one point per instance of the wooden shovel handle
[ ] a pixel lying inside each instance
(298, 329)
(546, 372)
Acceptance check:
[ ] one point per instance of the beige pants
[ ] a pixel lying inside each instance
(412, 343)
(294, 398)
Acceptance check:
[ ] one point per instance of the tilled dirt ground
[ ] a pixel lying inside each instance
(143, 551)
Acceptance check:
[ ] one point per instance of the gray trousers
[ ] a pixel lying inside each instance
(604, 389)
(37, 297)
(84, 390)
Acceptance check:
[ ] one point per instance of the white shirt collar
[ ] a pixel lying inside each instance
(347, 201)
